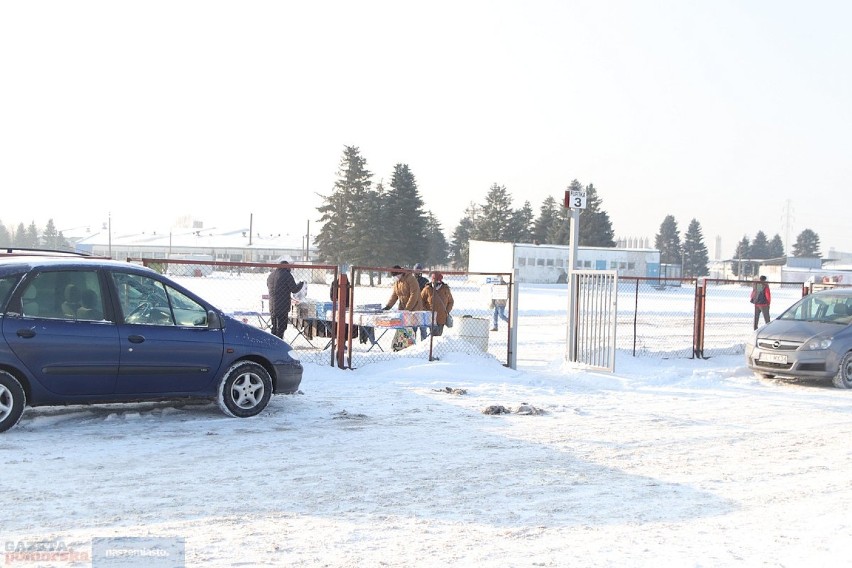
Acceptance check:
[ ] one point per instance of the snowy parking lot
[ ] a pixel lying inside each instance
(676, 462)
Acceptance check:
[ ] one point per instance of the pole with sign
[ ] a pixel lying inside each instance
(575, 200)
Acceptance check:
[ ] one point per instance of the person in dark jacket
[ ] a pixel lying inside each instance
(281, 285)
(761, 298)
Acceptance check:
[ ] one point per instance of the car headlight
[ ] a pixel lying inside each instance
(817, 344)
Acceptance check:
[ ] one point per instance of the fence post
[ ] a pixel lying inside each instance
(698, 322)
(342, 303)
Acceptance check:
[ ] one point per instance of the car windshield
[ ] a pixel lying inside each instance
(824, 308)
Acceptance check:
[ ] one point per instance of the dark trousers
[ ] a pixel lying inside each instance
(761, 310)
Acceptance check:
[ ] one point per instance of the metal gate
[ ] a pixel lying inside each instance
(592, 318)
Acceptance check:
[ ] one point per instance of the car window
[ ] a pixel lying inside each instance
(6, 285)
(820, 308)
(59, 294)
(146, 300)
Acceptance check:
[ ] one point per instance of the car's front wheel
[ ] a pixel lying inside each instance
(843, 378)
(245, 390)
(12, 401)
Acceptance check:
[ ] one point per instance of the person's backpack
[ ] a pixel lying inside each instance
(760, 297)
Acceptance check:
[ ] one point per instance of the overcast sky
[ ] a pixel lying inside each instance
(735, 113)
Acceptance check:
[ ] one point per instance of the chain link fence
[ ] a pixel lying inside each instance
(381, 336)
(369, 333)
(691, 317)
(663, 318)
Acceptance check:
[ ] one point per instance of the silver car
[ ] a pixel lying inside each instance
(811, 339)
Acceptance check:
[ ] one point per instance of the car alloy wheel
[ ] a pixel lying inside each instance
(12, 401)
(843, 378)
(245, 390)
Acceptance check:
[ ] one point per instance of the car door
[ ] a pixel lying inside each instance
(67, 355)
(166, 346)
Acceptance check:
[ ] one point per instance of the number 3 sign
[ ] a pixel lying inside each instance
(575, 199)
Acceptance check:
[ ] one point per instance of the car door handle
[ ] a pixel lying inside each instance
(26, 333)
(135, 338)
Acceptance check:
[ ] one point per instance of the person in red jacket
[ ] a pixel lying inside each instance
(761, 298)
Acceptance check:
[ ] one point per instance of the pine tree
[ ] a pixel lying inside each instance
(5, 236)
(495, 220)
(742, 254)
(460, 244)
(695, 257)
(595, 226)
(759, 248)
(50, 238)
(32, 237)
(334, 244)
(547, 216)
(405, 218)
(807, 245)
(559, 232)
(668, 241)
(437, 253)
(776, 247)
(521, 230)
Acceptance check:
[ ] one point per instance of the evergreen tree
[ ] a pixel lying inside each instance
(334, 240)
(495, 220)
(695, 257)
(547, 216)
(776, 247)
(405, 218)
(460, 244)
(50, 238)
(5, 236)
(742, 254)
(32, 238)
(559, 232)
(521, 230)
(595, 226)
(437, 253)
(759, 248)
(807, 245)
(668, 241)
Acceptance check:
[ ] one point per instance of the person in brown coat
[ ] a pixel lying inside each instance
(406, 290)
(438, 299)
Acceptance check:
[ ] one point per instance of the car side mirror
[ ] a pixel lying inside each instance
(213, 320)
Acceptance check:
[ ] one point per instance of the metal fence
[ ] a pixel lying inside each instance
(368, 333)
(654, 318)
(691, 317)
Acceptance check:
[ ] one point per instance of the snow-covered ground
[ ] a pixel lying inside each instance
(675, 462)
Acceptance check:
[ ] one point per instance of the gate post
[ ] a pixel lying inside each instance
(343, 291)
(699, 318)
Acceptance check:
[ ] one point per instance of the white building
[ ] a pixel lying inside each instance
(221, 245)
(549, 263)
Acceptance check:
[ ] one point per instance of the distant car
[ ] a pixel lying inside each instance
(82, 330)
(811, 340)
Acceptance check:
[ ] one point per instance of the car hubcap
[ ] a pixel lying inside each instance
(247, 390)
(5, 402)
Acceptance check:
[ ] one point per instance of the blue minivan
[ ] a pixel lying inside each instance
(85, 330)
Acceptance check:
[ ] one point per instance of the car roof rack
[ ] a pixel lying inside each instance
(23, 251)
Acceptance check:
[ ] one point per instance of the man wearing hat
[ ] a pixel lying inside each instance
(281, 285)
(405, 289)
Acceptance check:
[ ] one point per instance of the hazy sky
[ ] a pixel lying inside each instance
(735, 113)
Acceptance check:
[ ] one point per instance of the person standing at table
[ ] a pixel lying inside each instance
(405, 290)
(438, 299)
(281, 285)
